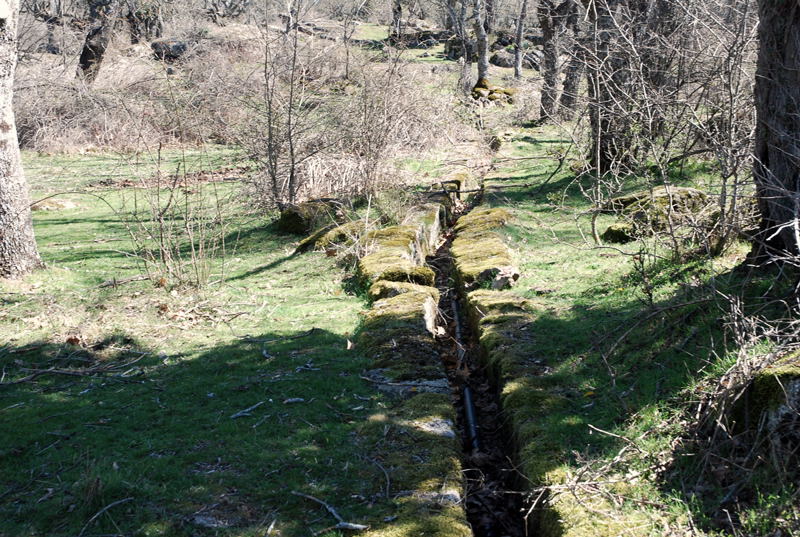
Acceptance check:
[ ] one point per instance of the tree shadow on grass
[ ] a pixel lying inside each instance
(211, 441)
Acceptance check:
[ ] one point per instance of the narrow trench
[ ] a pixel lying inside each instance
(493, 502)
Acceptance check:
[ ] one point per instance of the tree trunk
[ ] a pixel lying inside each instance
(396, 31)
(103, 14)
(608, 91)
(482, 43)
(777, 148)
(489, 17)
(18, 254)
(519, 53)
(573, 72)
(552, 21)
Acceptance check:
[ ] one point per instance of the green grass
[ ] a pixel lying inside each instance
(638, 387)
(151, 428)
(371, 31)
(50, 174)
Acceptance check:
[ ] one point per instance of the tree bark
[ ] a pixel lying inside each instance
(777, 147)
(519, 53)
(552, 21)
(103, 14)
(576, 65)
(396, 32)
(609, 89)
(482, 43)
(18, 253)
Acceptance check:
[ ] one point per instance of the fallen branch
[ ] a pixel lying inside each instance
(113, 282)
(247, 411)
(100, 512)
(342, 525)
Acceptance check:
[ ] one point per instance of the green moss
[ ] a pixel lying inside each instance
(619, 233)
(307, 216)
(397, 334)
(425, 469)
(345, 234)
(479, 258)
(393, 235)
(769, 385)
(427, 219)
(311, 242)
(661, 208)
(388, 289)
(481, 220)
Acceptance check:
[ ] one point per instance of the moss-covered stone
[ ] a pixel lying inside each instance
(663, 208)
(387, 289)
(305, 217)
(773, 398)
(481, 220)
(392, 264)
(397, 256)
(619, 233)
(427, 218)
(425, 468)
(483, 261)
(397, 334)
(311, 242)
(345, 235)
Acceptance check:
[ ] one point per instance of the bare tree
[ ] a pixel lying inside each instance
(553, 18)
(396, 31)
(519, 53)
(103, 14)
(576, 64)
(18, 253)
(482, 42)
(777, 149)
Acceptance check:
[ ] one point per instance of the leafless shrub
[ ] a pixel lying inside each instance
(670, 87)
(178, 228)
(328, 125)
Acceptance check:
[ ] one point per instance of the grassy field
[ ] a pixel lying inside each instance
(118, 413)
(630, 338)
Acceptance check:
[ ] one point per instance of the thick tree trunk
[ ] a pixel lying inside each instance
(608, 91)
(18, 254)
(103, 14)
(573, 72)
(490, 16)
(552, 21)
(777, 149)
(482, 43)
(396, 31)
(519, 53)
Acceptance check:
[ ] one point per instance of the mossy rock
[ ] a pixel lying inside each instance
(619, 233)
(308, 216)
(386, 289)
(657, 210)
(393, 236)
(481, 220)
(397, 334)
(774, 396)
(480, 93)
(312, 241)
(464, 179)
(416, 439)
(483, 261)
(427, 218)
(346, 234)
(393, 264)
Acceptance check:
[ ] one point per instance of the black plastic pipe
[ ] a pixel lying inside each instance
(469, 403)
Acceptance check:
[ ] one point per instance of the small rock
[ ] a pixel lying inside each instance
(437, 427)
